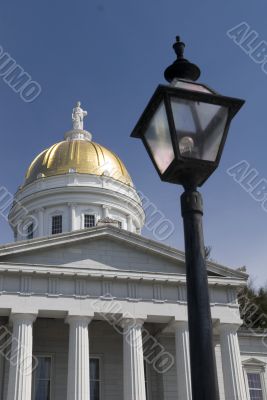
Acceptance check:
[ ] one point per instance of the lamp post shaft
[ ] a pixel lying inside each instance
(204, 383)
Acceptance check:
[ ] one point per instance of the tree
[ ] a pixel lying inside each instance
(207, 252)
(253, 307)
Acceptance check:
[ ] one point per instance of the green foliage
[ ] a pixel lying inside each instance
(253, 307)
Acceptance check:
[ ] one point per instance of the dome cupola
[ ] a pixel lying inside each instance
(75, 184)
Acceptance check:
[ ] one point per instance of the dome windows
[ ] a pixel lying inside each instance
(89, 220)
(30, 229)
(56, 224)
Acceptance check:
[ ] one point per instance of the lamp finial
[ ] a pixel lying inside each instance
(181, 68)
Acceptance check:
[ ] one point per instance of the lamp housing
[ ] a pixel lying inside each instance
(184, 128)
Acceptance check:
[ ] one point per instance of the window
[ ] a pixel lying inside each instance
(255, 385)
(146, 379)
(30, 231)
(42, 379)
(89, 221)
(56, 224)
(120, 224)
(95, 379)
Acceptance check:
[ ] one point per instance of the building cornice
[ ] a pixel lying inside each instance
(128, 275)
(118, 234)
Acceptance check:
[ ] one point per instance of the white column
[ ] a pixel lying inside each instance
(133, 360)
(105, 211)
(20, 362)
(129, 223)
(72, 217)
(78, 387)
(234, 384)
(5, 341)
(40, 222)
(19, 230)
(183, 360)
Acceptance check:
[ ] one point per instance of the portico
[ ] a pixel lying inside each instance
(125, 372)
(72, 314)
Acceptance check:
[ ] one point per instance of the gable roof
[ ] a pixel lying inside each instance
(110, 233)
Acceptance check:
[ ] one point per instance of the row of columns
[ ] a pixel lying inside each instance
(234, 383)
(39, 225)
(20, 370)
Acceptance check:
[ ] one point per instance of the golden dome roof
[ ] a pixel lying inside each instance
(81, 156)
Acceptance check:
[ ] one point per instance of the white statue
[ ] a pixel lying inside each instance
(78, 115)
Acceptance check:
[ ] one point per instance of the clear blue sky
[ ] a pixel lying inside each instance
(111, 55)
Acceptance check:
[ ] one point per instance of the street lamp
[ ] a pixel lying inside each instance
(184, 129)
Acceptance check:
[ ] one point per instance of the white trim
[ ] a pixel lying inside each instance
(254, 366)
(164, 278)
(121, 235)
(55, 212)
(87, 212)
(91, 210)
(51, 223)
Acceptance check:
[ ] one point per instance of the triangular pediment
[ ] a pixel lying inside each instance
(254, 362)
(104, 248)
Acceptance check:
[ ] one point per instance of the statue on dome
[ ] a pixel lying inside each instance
(78, 115)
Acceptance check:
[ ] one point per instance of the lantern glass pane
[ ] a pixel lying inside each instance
(200, 128)
(158, 139)
(195, 87)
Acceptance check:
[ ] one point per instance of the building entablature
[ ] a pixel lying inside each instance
(163, 295)
(77, 181)
(105, 265)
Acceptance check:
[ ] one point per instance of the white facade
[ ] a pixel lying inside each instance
(73, 196)
(101, 313)
(100, 282)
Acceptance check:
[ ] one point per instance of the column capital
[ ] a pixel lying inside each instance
(228, 328)
(26, 318)
(72, 204)
(179, 324)
(83, 319)
(132, 322)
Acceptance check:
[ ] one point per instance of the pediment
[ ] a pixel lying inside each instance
(254, 362)
(105, 248)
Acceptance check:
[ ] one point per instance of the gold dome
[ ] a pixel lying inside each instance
(81, 156)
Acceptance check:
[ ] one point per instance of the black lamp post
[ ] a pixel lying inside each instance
(184, 128)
